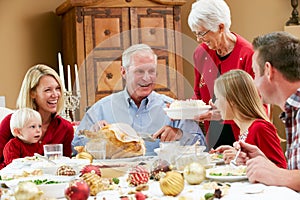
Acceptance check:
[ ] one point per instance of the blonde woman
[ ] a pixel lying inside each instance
(237, 99)
(42, 91)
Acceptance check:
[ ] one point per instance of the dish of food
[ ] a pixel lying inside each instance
(216, 158)
(186, 109)
(227, 173)
(186, 113)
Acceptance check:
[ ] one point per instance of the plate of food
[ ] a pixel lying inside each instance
(227, 173)
(216, 158)
(186, 109)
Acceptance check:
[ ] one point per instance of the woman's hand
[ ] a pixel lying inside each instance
(227, 151)
(213, 114)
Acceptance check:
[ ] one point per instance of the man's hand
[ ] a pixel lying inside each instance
(260, 169)
(97, 126)
(168, 133)
(249, 151)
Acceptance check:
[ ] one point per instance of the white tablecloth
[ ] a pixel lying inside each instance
(237, 191)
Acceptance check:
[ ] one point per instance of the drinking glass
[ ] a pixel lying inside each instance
(97, 149)
(53, 151)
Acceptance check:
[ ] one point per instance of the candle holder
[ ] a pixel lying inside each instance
(71, 104)
(294, 20)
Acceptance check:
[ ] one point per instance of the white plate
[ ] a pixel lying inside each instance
(56, 190)
(227, 169)
(215, 159)
(14, 182)
(186, 113)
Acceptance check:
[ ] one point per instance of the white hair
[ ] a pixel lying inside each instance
(134, 49)
(21, 116)
(209, 14)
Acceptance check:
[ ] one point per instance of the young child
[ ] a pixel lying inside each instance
(26, 126)
(237, 99)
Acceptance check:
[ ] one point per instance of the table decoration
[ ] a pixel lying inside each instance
(72, 99)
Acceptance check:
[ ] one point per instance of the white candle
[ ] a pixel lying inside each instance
(69, 79)
(77, 81)
(61, 70)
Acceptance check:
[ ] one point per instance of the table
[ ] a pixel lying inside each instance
(237, 191)
(240, 190)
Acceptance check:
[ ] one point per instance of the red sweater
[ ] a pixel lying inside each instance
(15, 148)
(208, 65)
(263, 134)
(60, 131)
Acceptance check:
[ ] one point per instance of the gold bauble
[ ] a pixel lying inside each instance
(172, 184)
(94, 181)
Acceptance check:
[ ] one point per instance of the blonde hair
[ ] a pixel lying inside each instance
(238, 88)
(20, 117)
(31, 81)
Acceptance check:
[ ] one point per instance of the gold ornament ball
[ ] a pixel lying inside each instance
(172, 184)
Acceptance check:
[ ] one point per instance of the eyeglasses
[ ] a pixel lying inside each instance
(201, 34)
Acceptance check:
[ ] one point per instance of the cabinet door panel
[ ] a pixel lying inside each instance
(103, 28)
(154, 26)
(109, 77)
(106, 37)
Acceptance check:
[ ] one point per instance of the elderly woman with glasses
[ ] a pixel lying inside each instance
(219, 51)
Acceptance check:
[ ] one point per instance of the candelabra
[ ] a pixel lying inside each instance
(71, 104)
(294, 20)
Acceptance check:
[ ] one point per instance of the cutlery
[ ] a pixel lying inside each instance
(233, 162)
(44, 158)
(147, 137)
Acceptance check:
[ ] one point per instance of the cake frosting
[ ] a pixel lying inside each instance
(189, 103)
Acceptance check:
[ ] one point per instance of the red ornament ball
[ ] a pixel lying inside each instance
(91, 169)
(77, 190)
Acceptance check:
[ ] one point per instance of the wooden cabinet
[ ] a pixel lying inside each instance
(96, 32)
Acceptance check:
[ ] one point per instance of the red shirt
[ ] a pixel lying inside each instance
(15, 148)
(60, 131)
(208, 66)
(263, 134)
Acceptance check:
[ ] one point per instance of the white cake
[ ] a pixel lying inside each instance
(189, 103)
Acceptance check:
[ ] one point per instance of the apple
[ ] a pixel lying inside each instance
(77, 190)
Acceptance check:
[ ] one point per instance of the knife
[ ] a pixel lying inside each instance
(147, 137)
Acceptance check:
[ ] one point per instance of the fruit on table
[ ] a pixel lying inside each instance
(194, 173)
(77, 190)
(172, 184)
(140, 196)
(84, 155)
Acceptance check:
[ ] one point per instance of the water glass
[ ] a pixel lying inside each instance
(53, 151)
(97, 149)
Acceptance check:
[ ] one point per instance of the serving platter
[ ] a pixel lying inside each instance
(54, 190)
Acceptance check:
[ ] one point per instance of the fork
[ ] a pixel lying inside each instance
(233, 162)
